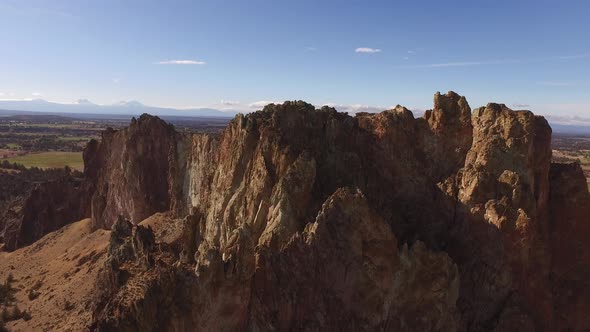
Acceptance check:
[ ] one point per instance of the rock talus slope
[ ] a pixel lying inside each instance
(296, 218)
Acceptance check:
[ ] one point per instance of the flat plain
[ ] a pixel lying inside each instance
(573, 148)
(53, 159)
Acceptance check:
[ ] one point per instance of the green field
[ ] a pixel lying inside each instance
(75, 138)
(51, 160)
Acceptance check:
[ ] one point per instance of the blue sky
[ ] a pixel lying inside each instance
(237, 54)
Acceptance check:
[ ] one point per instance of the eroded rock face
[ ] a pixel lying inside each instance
(307, 219)
(502, 199)
(569, 228)
(133, 170)
(46, 208)
(345, 272)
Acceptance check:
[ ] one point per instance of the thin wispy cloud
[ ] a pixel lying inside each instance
(573, 57)
(22, 8)
(518, 105)
(116, 80)
(496, 62)
(229, 103)
(367, 50)
(37, 94)
(311, 49)
(411, 52)
(555, 83)
(181, 62)
(459, 64)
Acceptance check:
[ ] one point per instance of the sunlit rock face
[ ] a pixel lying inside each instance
(296, 218)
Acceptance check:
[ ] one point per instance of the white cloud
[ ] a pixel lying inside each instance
(568, 120)
(406, 58)
(1, 93)
(311, 49)
(261, 103)
(355, 108)
(37, 94)
(418, 112)
(411, 52)
(116, 80)
(181, 62)
(367, 50)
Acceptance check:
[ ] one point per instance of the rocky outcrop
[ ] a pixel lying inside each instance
(569, 227)
(502, 194)
(47, 207)
(133, 171)
(345, 272)
(308, 219)
(129, 300)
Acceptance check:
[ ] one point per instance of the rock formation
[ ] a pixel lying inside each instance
(296, 218)
(569, 226)
(133, 171)
(47, 207)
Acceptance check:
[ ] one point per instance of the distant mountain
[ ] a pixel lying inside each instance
(84, 106)
(570, 129)
(569, 124)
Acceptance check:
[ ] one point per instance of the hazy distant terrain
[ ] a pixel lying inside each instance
(84, 107)
(569, 129)
(572, 148)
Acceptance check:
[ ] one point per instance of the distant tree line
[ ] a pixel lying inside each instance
(41, 143)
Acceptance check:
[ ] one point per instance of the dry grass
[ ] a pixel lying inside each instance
(51, 160)
(50, 269)
(582, 156)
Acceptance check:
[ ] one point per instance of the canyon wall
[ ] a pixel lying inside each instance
(46, 207)
(308, 219)
(132, 171)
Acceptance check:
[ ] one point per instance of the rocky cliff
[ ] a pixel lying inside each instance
(46, 207)
(296, 218)
(132, 171)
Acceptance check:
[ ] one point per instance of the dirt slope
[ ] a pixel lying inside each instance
(62, 267)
